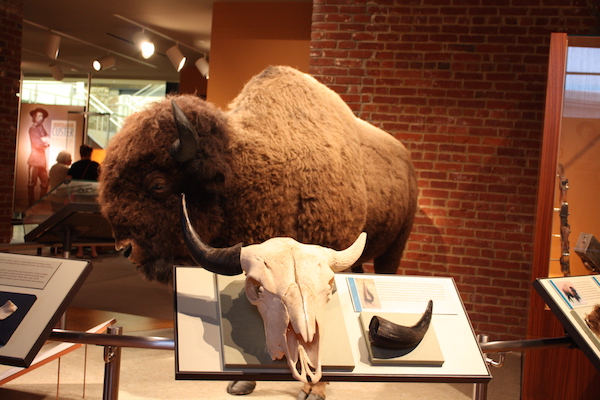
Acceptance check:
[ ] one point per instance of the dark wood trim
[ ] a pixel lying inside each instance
(553, 373)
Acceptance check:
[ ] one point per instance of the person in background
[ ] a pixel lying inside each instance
(86, 170)
(59, 171)
(58, 174)
(40, 141)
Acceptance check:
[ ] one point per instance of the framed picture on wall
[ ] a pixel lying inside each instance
(44, 132)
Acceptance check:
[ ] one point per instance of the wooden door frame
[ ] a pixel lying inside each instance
(552, 373)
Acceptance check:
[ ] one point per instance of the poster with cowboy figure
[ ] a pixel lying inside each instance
(44, 132)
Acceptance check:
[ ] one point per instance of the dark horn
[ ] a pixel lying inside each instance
(388, 335)
(185, 148)
(225, 261)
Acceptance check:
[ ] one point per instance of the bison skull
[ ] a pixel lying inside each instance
(289, 282)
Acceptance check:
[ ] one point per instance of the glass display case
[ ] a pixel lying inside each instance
(576, 221)
(567, 191)
(68, 214)
(70, 191)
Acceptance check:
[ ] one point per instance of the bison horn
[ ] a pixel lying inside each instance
(388, 335)
(225, 261)
(185, 148)
(344, 259)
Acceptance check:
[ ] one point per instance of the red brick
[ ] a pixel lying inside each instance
(465, 93)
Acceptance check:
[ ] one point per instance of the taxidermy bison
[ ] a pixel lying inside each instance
(288, 158)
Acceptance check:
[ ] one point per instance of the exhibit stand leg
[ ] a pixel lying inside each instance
(480, 389)
(112, 367)
(66, 254)
(67, 241)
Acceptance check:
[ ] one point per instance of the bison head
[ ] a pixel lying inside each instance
(165, 150)
(289, 283)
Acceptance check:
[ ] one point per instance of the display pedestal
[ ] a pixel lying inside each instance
(198, 330)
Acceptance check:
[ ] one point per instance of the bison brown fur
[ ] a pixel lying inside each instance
(288, 158)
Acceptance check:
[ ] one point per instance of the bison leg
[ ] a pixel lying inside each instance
(313, 391)
(389, 261)
(241, 387)
(357, 268)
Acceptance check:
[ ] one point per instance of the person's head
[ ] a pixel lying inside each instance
(85, 151)
(38, 115)
(64, 157)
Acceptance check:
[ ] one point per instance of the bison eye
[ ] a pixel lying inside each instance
(157, 185)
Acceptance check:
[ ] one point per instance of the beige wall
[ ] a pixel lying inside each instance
(249, 36)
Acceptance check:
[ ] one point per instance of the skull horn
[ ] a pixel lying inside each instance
(185, 148)
(344, 259)
(225, 261)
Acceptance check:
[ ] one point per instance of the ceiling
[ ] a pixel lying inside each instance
(91, 29)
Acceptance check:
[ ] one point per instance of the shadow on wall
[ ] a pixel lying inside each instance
(426, 251)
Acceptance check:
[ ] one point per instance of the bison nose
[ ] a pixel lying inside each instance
(127, 250)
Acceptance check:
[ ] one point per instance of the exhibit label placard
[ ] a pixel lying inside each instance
(575, 301)
(34, 293)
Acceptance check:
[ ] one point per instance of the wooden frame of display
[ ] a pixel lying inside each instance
(198, 344)
(51, 283)
(557, 373)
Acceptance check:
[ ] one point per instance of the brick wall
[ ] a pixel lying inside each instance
(462, 85)
(11, 16)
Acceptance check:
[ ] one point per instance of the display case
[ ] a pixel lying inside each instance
(68, 214)
(567, 191)
(68, 192)
(577, 169)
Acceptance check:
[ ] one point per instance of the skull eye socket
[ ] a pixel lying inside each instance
(254, 290)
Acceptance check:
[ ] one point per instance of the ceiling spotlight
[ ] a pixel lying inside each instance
(104, 63)
(177, 59)
(56, 71)
(52, 46)
(202, 66)
(144, 44)
(147, 49)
